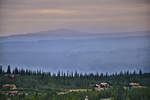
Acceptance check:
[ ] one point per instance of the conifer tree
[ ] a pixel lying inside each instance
(1, 70)
(8, 70)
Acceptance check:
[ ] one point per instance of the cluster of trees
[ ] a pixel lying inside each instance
(62, 80)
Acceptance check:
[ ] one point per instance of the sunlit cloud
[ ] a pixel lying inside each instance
(45, 11)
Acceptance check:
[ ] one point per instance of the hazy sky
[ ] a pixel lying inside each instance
(24, 16)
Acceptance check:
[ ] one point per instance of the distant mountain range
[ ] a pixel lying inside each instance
(69, 32)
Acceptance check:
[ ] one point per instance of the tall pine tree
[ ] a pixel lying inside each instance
(8, 70)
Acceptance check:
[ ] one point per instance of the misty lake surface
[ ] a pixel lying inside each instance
(84, 54)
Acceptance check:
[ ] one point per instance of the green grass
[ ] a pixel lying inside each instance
(106, 98)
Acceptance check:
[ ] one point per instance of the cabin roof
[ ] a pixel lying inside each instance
(133, 84)
(9, 85)
(104, 83)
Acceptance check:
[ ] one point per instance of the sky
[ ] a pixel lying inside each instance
(26, 16)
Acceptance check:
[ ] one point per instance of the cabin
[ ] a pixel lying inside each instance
(9, 86)
(10, 76)
(12, 93)
(133, 85)
(96, 86)
(104, 85)
(101, 86)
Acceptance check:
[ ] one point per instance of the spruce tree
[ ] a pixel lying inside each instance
(1, 70)
(140, 72)
(16, 70)
(8, 70)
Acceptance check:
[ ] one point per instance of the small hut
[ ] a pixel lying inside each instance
(104, 85)
(9, 86)
(101, 86)
(134, 84)
(12, 93)
(10, 76)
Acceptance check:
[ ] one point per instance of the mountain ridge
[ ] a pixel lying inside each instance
(70, 32)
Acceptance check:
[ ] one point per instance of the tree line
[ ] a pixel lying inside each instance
(66, 74)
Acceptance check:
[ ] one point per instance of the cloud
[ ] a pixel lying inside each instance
(43, 14)
(45, 11)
